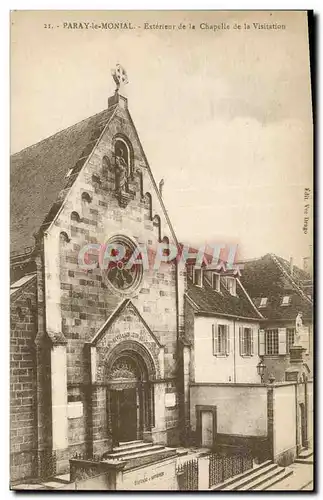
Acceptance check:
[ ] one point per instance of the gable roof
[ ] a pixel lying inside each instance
(21, 284)
(115, 315)
(270, 277)
(39, 181)
(38, 176)
(206, 300)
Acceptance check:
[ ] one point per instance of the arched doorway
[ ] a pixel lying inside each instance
(129, 397)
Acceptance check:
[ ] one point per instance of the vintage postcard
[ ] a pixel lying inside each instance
(161, 251)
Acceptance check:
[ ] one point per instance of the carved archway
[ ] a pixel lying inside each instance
(134, 350)
(129, 370)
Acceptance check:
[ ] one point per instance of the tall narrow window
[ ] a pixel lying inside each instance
(221, 340)
(216, 282)
(197, 276)
(157, 226)
(271, 342)
(290, 338)
(246, 341)
(230, 284)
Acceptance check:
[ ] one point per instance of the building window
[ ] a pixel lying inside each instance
(231, 285)
(220, 338)
(120, 274)
(290, 337)
(197, 276)
(216, 282)
(263, 302)
(246, 341)
(286, 300)
(271, 342)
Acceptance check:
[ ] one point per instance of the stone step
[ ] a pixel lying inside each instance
(138, 458)
(132, 446)
(62, 478)
(52, 485)
(252, 478)
(305, 453)
(27, 486)
(242, 475)
(274, 479)
(126, 455)
(305, 461)
(126, 443)
(181, 452)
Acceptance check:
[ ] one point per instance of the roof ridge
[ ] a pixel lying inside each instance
(226, 299)
(68, 187)
(115, 315)
(172, 230)
(279, 265)
(58, 132)
(250, 299)
(14, 295)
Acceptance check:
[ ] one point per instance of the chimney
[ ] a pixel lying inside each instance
(291, 266)
(161, 185)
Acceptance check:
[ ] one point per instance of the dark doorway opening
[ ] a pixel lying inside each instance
(124, 415)
(129, 399)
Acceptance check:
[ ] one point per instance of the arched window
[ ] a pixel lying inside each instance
(148, 205)
(64, 238)
(75, 217)
(140, 182)
(165, 242)
(157, 225)
(63, 253)
(86, 200)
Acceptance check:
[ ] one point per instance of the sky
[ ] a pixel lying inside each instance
(224, 115)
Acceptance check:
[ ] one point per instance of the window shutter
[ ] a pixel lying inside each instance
(252, 334)
(215, 335)
(261, 342)
(281, 340)
(241, 340)
(227, 331)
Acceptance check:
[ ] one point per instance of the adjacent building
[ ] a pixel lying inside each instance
(248, 380)
(282, 293)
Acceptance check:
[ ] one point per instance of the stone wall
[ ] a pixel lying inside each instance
(79, 301)
(231, 402)
(23, 414)
(285, 421)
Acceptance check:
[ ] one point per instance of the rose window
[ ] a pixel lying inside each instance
(121, 273)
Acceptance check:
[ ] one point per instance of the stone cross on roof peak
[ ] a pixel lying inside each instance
(120, 76)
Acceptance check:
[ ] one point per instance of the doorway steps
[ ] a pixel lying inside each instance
(306, 456)
(259, 478)
(137, 453)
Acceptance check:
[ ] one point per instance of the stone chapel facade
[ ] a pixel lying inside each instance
(93, 349)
